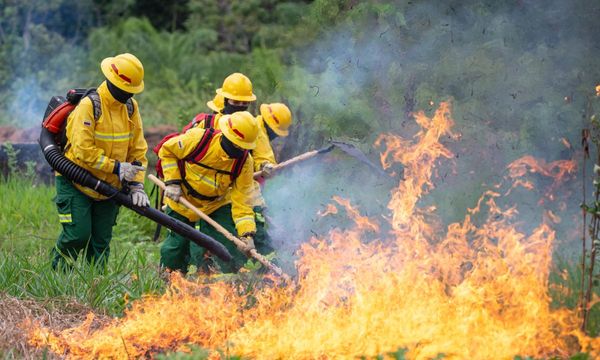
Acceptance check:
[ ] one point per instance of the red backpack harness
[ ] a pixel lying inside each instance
(198, 154)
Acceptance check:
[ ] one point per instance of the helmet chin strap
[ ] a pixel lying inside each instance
(119, 95)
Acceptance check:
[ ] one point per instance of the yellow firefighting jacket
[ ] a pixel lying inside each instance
(97, 145)
(209, 182)
(263, 152)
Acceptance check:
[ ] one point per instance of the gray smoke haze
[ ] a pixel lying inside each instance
(518, 74)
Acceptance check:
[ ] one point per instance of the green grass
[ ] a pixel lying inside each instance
(29, 228)
(571, 281)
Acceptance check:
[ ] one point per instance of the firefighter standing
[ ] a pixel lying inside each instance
(107, 147)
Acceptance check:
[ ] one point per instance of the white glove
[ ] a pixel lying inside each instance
(128, 171)
(138, 196)
(267, 169)
(173, 191)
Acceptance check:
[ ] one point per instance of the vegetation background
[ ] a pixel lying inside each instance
(520, 74)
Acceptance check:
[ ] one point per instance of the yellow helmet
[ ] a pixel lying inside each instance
(217, 104)
(278, 116)
(125, 71)
(237, 87)
(240, 128)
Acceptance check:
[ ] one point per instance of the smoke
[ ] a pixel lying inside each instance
(297, 195)
(519, 75)
(41, 57)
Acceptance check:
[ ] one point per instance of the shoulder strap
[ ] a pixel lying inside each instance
(200, 150)
(238, 165)
(209, 121)
(93, 95)
(130, 107)
(198, 153)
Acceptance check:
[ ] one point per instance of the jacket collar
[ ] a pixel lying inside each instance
(107, 97)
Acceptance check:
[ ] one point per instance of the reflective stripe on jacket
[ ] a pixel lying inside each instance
(96, 145)
(209, 182)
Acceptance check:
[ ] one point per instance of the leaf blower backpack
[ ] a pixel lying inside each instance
(59, 108)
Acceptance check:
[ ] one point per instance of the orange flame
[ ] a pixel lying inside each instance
(329, 210)
(469, 291)
(559, 171)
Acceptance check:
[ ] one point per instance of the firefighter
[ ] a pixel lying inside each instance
(234, 95)
(274, 121)
(237, 93)
(105, 137)
(218, 180)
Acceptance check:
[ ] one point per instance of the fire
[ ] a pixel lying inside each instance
(559, 171)
(475, 289)
(329, 210)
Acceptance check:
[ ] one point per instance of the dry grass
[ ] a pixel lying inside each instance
(55, 314)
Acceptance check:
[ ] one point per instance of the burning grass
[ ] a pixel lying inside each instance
(471, 289)
(55, 314)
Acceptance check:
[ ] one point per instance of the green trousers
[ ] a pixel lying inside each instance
(86, 225)
(177, 252)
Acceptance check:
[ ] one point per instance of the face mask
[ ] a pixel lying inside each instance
(231, 150)
(230, 109)
(272, 135)
(119, 95)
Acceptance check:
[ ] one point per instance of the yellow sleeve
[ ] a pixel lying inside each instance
(241, 200)
(263, 152)
(80, 132)
(138, 146)
(178, 148)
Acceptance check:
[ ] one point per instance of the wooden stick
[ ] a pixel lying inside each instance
(296, 159)
(237, 241)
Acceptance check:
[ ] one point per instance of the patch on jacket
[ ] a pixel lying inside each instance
(87, 122)
(180, 144)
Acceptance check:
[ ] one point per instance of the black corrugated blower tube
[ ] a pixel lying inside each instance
(81, 176)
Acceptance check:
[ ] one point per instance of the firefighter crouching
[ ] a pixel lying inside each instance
(211, 168)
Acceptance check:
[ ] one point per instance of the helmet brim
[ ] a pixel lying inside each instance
(211, 105)
(227, 95)
(229, 134)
